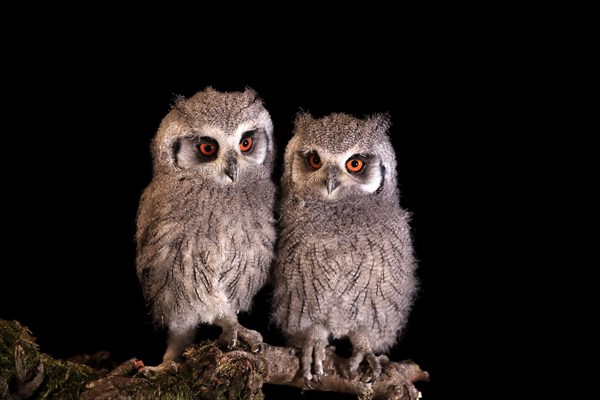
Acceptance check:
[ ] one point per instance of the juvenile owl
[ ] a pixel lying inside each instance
(205, 226)
(344, 265)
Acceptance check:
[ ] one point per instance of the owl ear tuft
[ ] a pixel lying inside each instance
(179, 103)
(302, 118)
(251, 92)
(252, 95)
(379, 122)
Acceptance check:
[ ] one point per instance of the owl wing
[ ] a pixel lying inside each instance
(160, 240)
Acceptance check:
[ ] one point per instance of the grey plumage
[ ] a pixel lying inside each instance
(345, 265)
(205, 226)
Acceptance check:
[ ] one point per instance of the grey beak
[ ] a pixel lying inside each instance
(231, 167)
(333, 179)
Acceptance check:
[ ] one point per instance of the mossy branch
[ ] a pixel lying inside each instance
(207, 372)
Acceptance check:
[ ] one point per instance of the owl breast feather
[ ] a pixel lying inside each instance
(203, 253)
(345, 269)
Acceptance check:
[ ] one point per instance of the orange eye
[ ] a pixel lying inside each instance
(208, 149)
(246, 144)
(315, 161)
(355, 165)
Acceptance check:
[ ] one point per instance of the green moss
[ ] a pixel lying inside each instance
(12, 334)
(62, 379)
(206, 374)
(65, 380)
(219, 375)
(164, 386)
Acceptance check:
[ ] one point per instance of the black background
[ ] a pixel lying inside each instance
(80, 128)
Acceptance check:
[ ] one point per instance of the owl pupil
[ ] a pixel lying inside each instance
(208, 147)
(316, 160)
(245, 143)
(354, 163)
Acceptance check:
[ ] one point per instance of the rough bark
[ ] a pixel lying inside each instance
(396, 381)
(206, 372)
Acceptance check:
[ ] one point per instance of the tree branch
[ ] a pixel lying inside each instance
(395, 382)
(206, 372)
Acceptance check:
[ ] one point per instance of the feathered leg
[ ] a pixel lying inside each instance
(180, 337)
(361, 349)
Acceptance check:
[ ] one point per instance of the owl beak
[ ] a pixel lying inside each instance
(333, 179)
(231, 168)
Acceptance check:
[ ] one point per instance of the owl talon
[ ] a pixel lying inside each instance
(319, 357)
(352, 373)
(231, 344)
(374, 376)
(228, 339)
(353, 364)
(251, 338)
(307, 380)
(255, 348)
(259, 349)
(375, 365)
(171, 367)
(319, 375)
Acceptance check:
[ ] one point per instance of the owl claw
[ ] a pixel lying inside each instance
(318, 369)
(373, 361)
(307, 380)
(375, 374)
(251, 338)
(171, 367)
(375, 366)
(231, 344)
(228, 339)
(307, 376)
(319, 375)
(313, 354)
(352, 373)
(259, 349)
(255, 348)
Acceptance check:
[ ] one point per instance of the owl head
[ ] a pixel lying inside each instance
(222, 137)
(339, 156)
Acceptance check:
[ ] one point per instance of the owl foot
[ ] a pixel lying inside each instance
(374, 362)
(171, 367)
(251, 338)
(313, 355)
(229, 338)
